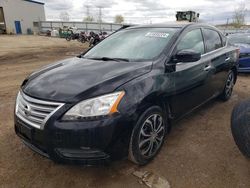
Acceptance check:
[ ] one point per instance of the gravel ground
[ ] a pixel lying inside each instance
(199, 152)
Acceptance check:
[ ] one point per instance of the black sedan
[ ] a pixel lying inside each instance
(121, 97)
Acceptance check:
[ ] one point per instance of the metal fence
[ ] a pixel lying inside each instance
(81, 26)
(108, 27)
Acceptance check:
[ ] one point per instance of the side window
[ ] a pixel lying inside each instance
(212, 40)
(193, 40)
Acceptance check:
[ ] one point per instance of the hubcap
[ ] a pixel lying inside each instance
(229, 84)
(151, 135)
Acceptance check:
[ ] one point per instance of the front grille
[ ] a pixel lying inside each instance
(35, 112)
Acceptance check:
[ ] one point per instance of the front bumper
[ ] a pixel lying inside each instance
(88, 142)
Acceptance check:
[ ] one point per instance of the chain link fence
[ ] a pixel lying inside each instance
(81, 26)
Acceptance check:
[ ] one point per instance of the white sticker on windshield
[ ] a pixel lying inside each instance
(158, 35)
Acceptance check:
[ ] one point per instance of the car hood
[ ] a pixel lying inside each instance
(76, 79)
(244, 48)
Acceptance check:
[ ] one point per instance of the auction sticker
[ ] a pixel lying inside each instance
(158, 35)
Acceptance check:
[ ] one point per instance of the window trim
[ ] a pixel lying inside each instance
(218, 49)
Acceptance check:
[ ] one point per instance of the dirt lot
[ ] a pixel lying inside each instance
(199, 152)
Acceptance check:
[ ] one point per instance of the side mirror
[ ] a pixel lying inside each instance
(187, 56)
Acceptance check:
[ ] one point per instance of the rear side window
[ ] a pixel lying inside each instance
(212, 40)
(192, 40)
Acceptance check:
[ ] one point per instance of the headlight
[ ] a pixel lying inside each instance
(99, 106)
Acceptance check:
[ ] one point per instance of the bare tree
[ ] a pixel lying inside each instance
(88, 19)
(64, 16)
(119, 19)
(239, 15)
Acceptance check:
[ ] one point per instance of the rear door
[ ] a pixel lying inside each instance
(218, 58)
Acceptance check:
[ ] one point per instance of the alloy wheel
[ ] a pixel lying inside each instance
(151, 135)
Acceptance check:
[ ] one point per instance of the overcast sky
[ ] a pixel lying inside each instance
(145, 11)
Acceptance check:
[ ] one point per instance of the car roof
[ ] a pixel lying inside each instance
(172, 24)
(180, 25)
(167, 24)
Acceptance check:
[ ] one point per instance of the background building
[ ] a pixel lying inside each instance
(21, 16)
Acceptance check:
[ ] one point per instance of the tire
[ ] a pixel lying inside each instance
(228, 88)
(240, 126)
(68, 38)
(145, 142)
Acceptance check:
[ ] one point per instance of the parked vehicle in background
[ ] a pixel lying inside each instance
(240, 126)
(121, 97)
(94, 39)
(83, 37)
(48, 33)
(103, 35)
(242, 40)
(72, 34)
(54, 33)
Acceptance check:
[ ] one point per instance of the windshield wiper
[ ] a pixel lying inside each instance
(109, 59)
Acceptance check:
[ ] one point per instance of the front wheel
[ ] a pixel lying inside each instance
(228, 88)
(147, 136)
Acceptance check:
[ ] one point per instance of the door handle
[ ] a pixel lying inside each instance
(227, 59)
(207, 68)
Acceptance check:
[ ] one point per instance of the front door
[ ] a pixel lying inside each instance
(190, 79)
(18, 27)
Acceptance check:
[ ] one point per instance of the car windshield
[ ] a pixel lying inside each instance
(244, 39)
(133, 44)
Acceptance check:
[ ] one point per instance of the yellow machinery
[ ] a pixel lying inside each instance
(189, 16)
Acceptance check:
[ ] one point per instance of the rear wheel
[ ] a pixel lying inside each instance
(147, 136)
(228, 89)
